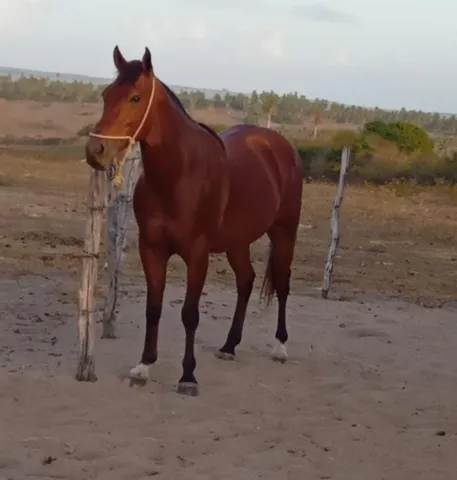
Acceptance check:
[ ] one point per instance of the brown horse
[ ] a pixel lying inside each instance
(200, 193)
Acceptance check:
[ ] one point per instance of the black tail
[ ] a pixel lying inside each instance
(267, 291)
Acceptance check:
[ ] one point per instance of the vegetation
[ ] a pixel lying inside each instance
(405, 135)
(288, 109)
(44, 90)
(387, 147)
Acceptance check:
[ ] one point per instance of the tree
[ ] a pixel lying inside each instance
(290, 108)
(218, 102)
(269, 101)
(251, 118)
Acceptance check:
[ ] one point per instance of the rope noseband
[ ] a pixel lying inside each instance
(118, 179)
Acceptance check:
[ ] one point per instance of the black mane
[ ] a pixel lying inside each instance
(130, 74)
(181, 107)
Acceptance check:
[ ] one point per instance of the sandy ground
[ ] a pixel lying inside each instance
(368, 393)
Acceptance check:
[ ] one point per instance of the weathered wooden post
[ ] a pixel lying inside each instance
(96, 206)
(118, 213)
(334, 222)
(121, 194)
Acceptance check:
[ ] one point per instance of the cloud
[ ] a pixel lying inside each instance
(224, 4)
(273, 44)
(321, 12)
(197, 31)
(341, 57)
(13, 12)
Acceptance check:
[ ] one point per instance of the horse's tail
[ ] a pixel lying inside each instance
(267, 291)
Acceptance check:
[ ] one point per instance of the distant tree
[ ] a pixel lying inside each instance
(251, 118)
(218, 102)
(269, 102)
(254, 99)
(290, 108)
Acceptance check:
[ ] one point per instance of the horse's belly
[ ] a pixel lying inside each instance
(246, 219)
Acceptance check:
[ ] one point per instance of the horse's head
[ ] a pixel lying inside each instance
(126, 106)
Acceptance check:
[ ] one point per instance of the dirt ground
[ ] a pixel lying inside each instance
(368, 392)
(27, 118)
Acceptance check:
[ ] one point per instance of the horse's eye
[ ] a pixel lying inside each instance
(135, 99)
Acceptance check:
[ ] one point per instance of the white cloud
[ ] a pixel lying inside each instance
(224, 4)
(321, 12)
(15, 14)
(197, 32)
(273, 44)
(341, 57)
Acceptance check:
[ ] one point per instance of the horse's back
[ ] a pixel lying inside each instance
(251, 143)
(265, 180)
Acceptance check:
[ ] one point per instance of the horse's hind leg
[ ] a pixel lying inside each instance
(240, 261)
(282, 237)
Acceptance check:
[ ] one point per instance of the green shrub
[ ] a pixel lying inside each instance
(405, 135)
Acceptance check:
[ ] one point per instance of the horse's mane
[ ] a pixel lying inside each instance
(179, 104)
(130, 73)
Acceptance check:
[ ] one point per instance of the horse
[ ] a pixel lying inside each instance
(200, 193)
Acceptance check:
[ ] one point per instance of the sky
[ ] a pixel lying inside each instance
(389, 53)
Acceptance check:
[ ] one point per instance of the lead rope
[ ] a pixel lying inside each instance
(118, 179)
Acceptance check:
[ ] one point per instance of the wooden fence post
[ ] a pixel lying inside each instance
(118, 214)
(96, 206)
(334, 222)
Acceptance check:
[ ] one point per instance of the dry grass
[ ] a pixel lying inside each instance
(399, 243)
(397, 240)
(27, 118)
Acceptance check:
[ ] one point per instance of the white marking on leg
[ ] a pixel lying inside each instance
(140, 372)
(224, 355)
(279, 352)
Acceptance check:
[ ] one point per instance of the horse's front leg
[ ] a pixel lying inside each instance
(197, 268)
(154, 259)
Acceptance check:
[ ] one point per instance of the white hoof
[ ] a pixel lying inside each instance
(279, 352)
(140, 373)
(224, 356)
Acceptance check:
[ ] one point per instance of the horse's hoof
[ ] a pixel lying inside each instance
(224, 356)
(139, 375)
(86, 377)
(279, 353)
(187, 388)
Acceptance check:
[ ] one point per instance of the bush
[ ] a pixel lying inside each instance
(376, 160)
(407, 136)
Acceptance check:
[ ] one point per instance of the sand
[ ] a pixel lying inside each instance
(368, 392)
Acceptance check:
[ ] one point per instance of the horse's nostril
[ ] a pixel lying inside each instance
(100, 149)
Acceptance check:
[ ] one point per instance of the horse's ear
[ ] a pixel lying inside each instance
(147, 62)
(118, 58)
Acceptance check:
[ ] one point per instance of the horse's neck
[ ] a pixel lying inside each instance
(173, 143)
(169, 144)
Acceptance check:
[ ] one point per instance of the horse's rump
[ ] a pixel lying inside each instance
(264, 172)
